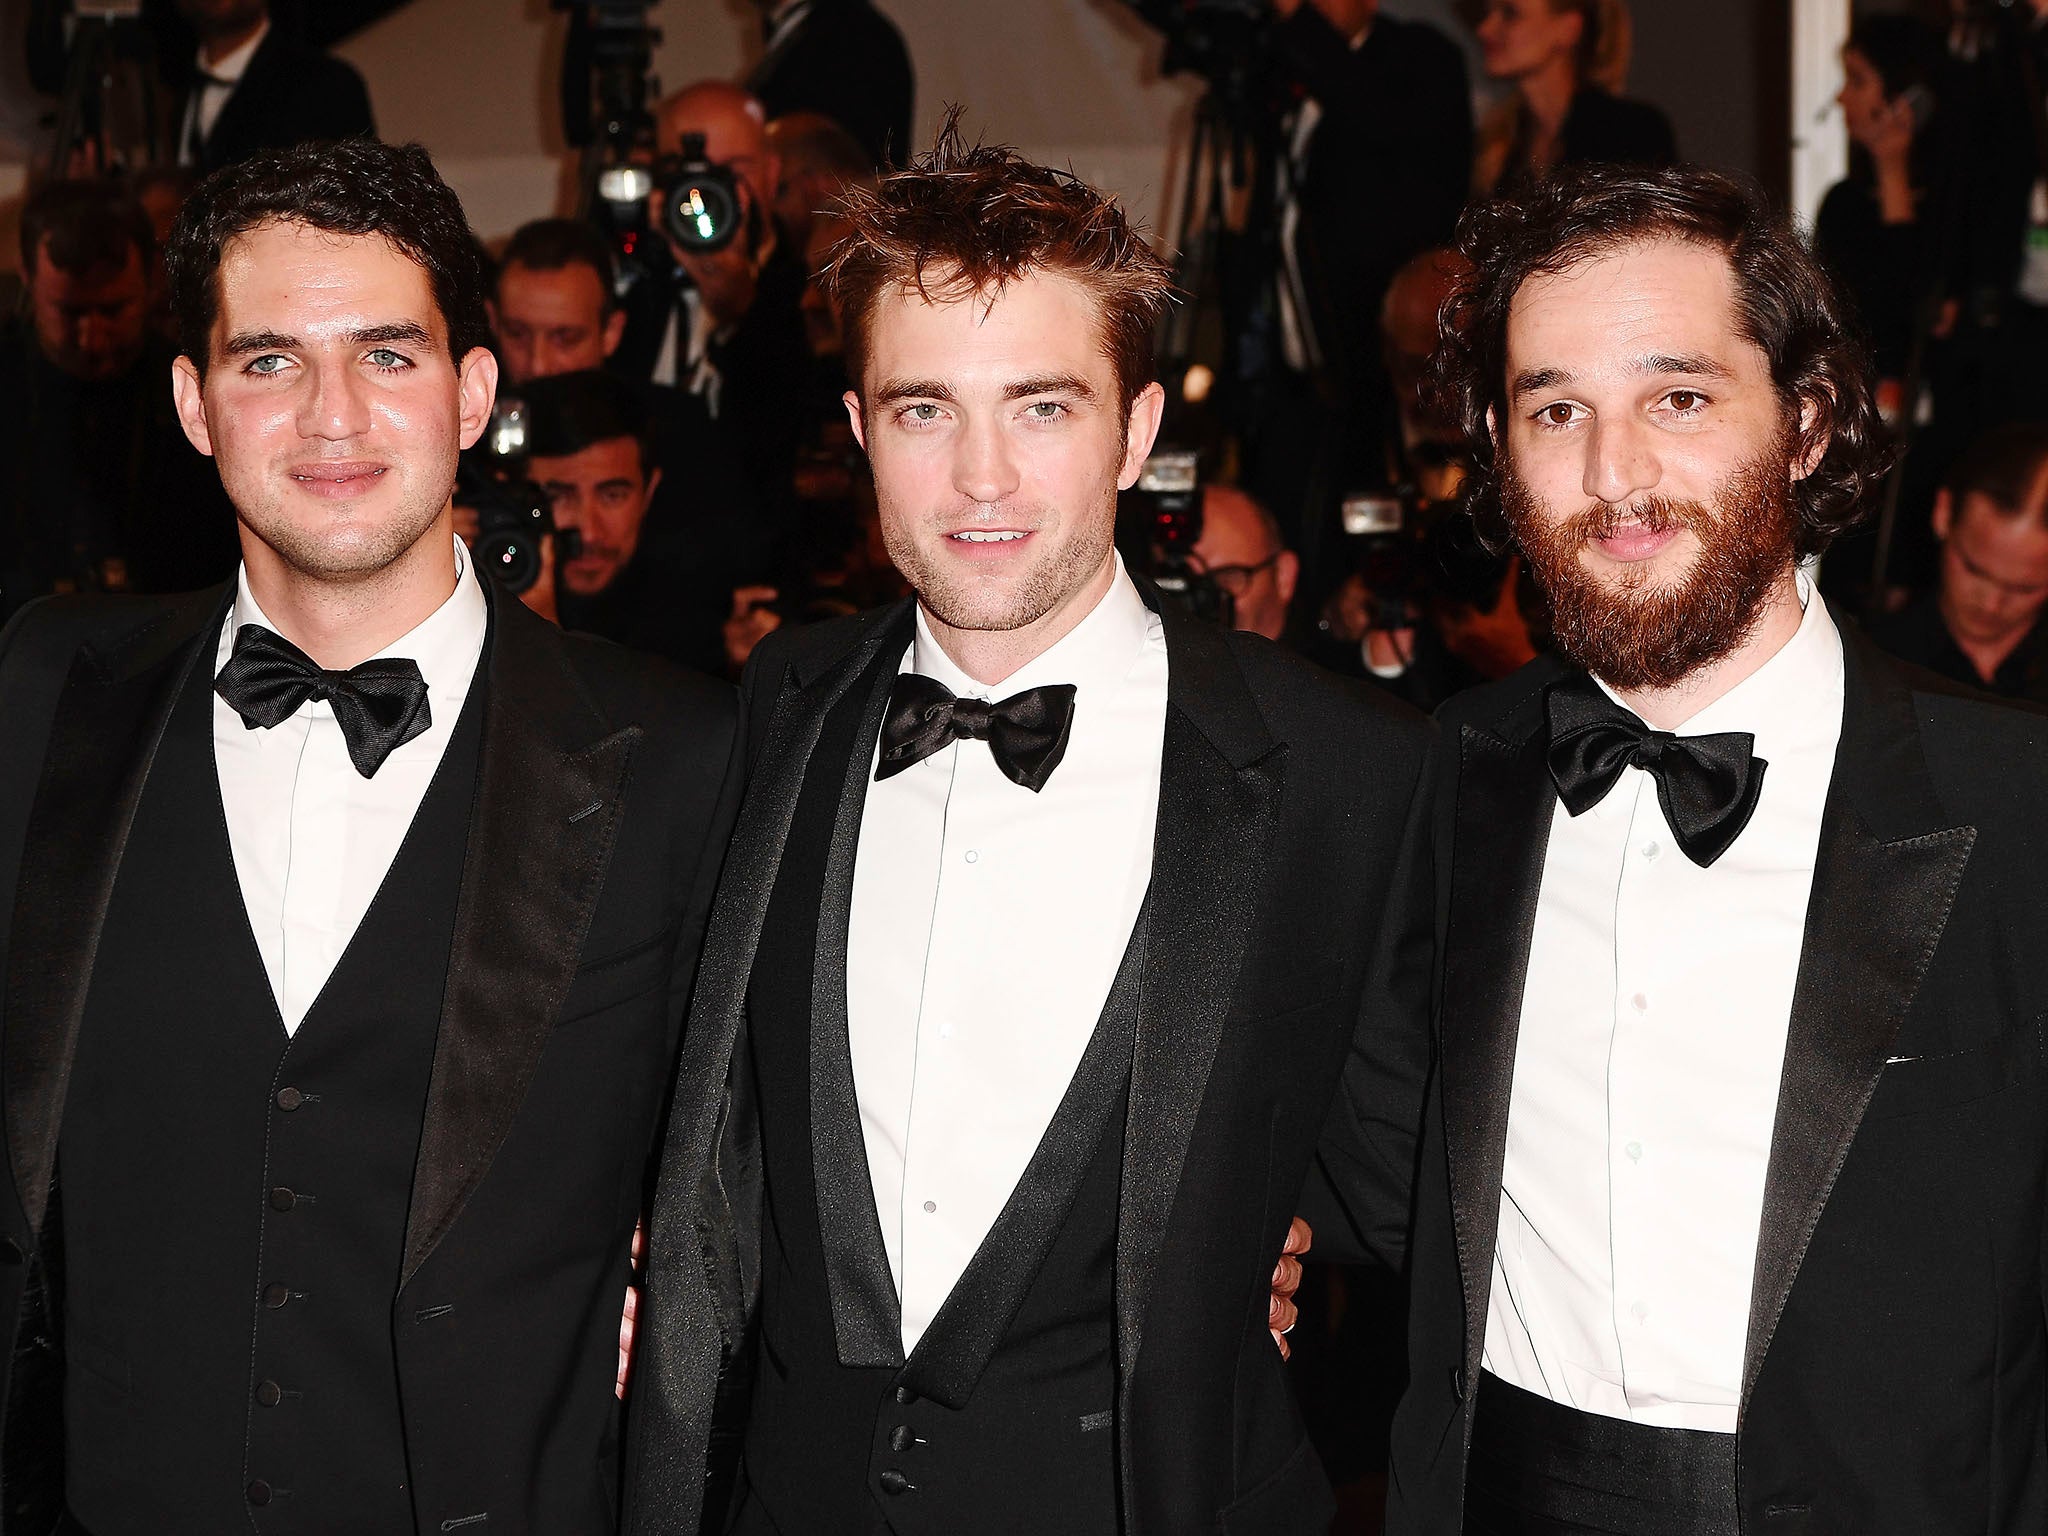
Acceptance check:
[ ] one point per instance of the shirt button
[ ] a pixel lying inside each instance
(289, 1099)
(931, 1205)
(973, 857)
(1641, 1311)
(1640, 1002)
(1653, 850)
(1635, 1151)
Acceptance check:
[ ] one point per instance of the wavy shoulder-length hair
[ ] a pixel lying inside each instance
(1785, 304)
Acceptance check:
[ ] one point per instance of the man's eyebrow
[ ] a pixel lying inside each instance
(411, 332)
(1536, 380)
(1050, 384)
(1693, 364)
(907, 389)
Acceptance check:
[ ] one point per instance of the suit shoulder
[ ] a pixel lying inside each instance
(1294, 691)
(1979, 729)
(650, 689)
(810, 646)
(1490, 704)
(50, 630)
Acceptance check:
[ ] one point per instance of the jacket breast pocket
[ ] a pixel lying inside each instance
(620, 977)
(1918, 1085)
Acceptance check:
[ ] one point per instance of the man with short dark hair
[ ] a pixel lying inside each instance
(1982, 624)
(1730, 1202)
(1052, 917)
(555, 309)
(99, 490)
(354, 911)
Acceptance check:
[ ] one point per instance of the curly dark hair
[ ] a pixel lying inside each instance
(1785, 305)
(347, 187)
(963, 221)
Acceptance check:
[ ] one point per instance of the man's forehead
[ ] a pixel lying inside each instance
(1050, 308)
(293, 269)
(573, 284)
(1661, 296)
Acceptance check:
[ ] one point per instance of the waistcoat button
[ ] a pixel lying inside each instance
(905, 1395)
(893, 1482)
(276, 1295)
(259, 1493)
(269, 1394)
(289, 1099)
(902, 1438)
(282, 1199)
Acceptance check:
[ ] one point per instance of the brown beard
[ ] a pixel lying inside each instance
(1635, 634)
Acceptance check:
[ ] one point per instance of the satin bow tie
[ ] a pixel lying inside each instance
(379, 705)
(1026, 733)
(1707, 785)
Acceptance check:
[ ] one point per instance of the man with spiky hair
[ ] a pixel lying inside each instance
(1730, 1202)
(1052, 916)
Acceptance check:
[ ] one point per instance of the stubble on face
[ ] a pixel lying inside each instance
(1633, 632)
(985, 601)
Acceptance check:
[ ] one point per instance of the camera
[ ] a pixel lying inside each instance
(700, 199)
(513, 514)
(1386, 530)
(1158, 524)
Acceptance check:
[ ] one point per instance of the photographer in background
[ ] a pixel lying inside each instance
(647, 571)
(253, 87)
(1982, 624)
(843, 59)
(1241, 551)
(1378, 152)
(553, 307)
(726, 324)
(99, 490)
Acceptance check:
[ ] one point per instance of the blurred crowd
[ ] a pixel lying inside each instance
(679, 409)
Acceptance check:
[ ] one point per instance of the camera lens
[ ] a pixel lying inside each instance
(513, 560)
(703, 213)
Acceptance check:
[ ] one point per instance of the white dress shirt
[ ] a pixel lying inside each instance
(209, 95)
(1646, 1077)
(987, 926)
(312, 838)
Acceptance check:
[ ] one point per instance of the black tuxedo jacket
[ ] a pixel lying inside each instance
(604, 794)
(1896, 1372)
(1287, 932)
(289, 94)
(846, 60)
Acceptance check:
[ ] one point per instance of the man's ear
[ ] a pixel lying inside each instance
(653, 484)
(1286, 574)
(189, 396)
(1944, 513)
(854, 416)
(1813, 445)
(477, 382)
(1141, 429)
(614, 331)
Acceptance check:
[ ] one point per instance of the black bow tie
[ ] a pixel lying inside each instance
(379, 705)
(1026, 733)
(1708, 785)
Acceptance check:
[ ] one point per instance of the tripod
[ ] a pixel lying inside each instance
(109, 109)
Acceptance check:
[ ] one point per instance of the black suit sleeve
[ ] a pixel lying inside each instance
(710, 863)
(1360, 1191)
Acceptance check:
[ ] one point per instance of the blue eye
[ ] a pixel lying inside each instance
(260, 365)
(1047, 410)
(389, 361)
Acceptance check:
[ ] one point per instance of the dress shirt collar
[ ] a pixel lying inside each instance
(1095, 655)
(231, 68)
(1792, 703)
(445, 644)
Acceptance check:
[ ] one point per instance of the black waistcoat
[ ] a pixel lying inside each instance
(235, 1199)
(1002, 1419)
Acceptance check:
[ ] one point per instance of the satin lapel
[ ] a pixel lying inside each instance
(103, 739)
(1221, 777)
(797, 711)
(1500, 836)
(550, 786)
(1884, 881)
(867, 1315)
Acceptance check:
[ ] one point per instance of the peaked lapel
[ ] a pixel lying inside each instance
(867, 1314)
(1220, 782)
(1884, 881)
(1500, 835)
(103, 740)
(551, 779)
(693, 1197)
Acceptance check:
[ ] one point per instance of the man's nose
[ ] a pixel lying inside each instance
(335, 406)
(1620, 462)
(984, 469)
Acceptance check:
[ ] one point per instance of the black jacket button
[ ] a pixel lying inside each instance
(289, 1099)
(269, 1394)
(259, 1493)
(276, 1295)
(282, 1199)
(894, 1482)
(902, 1438)
(905, 1395)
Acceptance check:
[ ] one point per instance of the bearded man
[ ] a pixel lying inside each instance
(1729, 1213)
